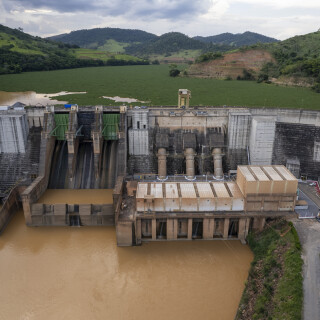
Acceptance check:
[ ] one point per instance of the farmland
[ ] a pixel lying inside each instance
(152, 83)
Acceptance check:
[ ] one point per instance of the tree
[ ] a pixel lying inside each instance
(174, 71)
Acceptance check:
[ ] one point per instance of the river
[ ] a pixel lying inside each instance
(80, 273)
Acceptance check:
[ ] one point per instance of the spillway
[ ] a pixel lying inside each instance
(84, 177)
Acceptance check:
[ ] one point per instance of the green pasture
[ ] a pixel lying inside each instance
(183, 54)
(101, 55)
(113, 46)
(152, 83)
(18, 45)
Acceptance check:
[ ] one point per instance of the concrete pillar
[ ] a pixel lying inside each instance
(154, 229)
(243, 229)
(175, 229)
(226, 228)
(172, 229)
(217, 162)
(124, 234)
(27, 209)
(208, 226)
(258, 223)
(162, 163)
(190, 229)
(189, 154)
(262, 223)
(138, 231)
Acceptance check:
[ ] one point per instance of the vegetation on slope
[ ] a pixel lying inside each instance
(167, 43)
(141, 43)
(298, 57)
(296, 61)
(95, 38)
(152, 83)
(274, 287)
(22, 52)
(237, 40)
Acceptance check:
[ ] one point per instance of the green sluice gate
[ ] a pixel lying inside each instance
(62, 121)
(110, 126)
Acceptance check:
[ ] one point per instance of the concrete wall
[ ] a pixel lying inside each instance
(60, 214)
(300, 142)
(13, 132)
(242, 127)
(9, 208)
(40, 184)
(35, 116)
(262, 135)
(212, 229)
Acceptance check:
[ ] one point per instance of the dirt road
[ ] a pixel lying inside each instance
(309, 234)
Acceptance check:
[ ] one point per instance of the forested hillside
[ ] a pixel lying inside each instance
(238, 39)
(295, 61)
(96, 38)
(167, 43)
(22, 52)
(141, 43)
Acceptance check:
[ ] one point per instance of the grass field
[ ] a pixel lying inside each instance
(152, 83)
(113, 46)
(183, 54)
(101, 55)
(18, 45)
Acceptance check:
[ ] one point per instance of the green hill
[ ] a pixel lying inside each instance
(167, 43)
(296, 61)
(141, 43)
(22, 52)
(297, 57)
(99, 37)
(237, 40)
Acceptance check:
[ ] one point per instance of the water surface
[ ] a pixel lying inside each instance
(80, 273)
(31, 98)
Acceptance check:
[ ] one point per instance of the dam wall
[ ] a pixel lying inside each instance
(13, 131)
(245, 136)
(19, 150)
(9, 208)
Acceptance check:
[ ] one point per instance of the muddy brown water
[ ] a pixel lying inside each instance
(80, 273)
(77, 196)
(32, 98)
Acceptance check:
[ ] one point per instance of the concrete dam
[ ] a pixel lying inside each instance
(172, 173)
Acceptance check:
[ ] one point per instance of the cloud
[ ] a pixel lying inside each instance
(280, 4)
(279, 19)
(169, 9)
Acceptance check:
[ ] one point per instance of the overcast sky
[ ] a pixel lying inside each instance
(280, 19)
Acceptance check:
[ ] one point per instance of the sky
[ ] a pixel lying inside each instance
(280, 19)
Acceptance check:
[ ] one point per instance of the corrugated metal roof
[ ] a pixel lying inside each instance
(235, 191)
(272, 173)
(205, 190)
(285, 173)
(245, 171)
(261, 176)
(171, 191)
(220, 190)
(142, 190)
(187, 190)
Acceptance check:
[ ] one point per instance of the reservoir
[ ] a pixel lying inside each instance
(80, 273)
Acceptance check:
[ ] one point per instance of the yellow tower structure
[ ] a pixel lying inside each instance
(184, 96)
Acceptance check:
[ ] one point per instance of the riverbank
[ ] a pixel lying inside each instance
(274, 286)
